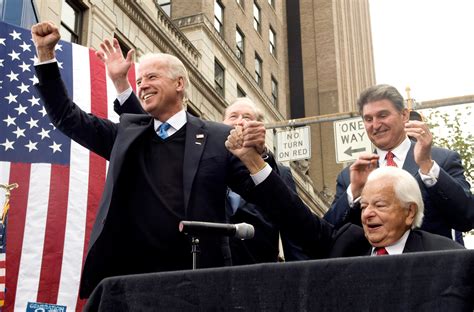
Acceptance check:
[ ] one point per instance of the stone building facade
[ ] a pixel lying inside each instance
(294, 58)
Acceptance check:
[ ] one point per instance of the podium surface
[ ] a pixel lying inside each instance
(425, 281)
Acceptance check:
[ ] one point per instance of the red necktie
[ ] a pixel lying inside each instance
(389, 158)
(380, 251)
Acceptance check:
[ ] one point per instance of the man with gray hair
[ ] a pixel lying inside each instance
(164, 167)
(391, 211)
(264, 247)
(449, 203)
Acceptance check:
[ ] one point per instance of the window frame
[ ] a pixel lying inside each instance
(165, 6)
(240, 51)
(273, 47)
(219, 86)
(257, 20)
(274, 91)
(240, 91)
(75, 33)
(219, 20)
(258, 70)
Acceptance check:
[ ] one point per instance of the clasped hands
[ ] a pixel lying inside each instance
(246, 141)
(245, 136)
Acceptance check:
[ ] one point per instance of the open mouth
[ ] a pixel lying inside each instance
(373, 227)
(147, 96)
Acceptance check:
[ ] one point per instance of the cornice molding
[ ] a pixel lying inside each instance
(169, 39)
(161, 30)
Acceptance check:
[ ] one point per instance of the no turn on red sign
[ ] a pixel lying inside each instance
(351, 139)
(293, 144)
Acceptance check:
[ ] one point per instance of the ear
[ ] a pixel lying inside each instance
(180, 84)
(405, 115)
(411, 213)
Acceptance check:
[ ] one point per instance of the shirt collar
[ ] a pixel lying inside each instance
(400, 153)
(397, 248)
(177, 121)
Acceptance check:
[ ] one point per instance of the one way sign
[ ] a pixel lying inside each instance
(351, 139)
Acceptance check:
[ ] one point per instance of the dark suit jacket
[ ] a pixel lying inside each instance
(449, 204)
(208, 168)
(263, 247)
(319, 239)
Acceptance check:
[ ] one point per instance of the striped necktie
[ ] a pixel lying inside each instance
(162, 130)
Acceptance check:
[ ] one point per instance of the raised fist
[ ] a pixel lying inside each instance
(45, 36)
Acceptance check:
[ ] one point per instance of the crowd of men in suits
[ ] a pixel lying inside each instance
(166, 165)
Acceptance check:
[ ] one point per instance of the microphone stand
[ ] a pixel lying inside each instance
(195, 251)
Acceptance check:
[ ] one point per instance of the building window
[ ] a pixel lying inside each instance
(272, 40)
(274, 91)
(71, 21)
(258, 69)
(272, 3)
(219, 77)
(166, 6)
(240, 92)
(218, 16)
(256, 17)
(239, 45)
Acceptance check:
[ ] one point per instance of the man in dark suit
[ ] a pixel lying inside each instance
(264, 246)
(391, 211)
(449, 203)
(158, 175)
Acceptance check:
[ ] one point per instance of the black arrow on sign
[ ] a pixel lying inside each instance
(351, 151)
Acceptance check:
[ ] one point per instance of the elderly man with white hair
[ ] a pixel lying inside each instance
(392, 210)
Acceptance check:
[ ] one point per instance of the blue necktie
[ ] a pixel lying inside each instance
(234, 200)
(162, 130)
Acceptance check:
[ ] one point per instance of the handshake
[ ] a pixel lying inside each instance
(243, 143)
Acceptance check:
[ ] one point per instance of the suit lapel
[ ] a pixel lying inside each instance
(413, 243)
(196, 137)
(410, 164)
(132, 130)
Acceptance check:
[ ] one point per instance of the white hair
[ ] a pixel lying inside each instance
(176, 68)
(245, 100)
(406, 189)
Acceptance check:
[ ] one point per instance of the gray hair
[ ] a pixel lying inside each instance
(406, 189)
(249, 102)
(381, 92)
(176, 68)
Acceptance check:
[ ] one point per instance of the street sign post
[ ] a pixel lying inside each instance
(351, 139)
(293, 144)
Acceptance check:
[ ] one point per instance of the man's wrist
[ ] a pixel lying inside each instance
(253, 162)
(426, 166)
(45, 55)
(121, 85)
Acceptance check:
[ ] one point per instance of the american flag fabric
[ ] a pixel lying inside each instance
(2, 252)
(60, 182)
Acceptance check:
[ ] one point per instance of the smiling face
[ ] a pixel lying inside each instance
(160, 94)
(385, 125)
(384, 217)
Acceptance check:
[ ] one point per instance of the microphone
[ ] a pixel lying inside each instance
(241, 230)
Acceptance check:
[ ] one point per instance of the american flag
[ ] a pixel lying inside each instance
(60, 182)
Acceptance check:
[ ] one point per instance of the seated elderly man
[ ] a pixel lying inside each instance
(391, 204)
